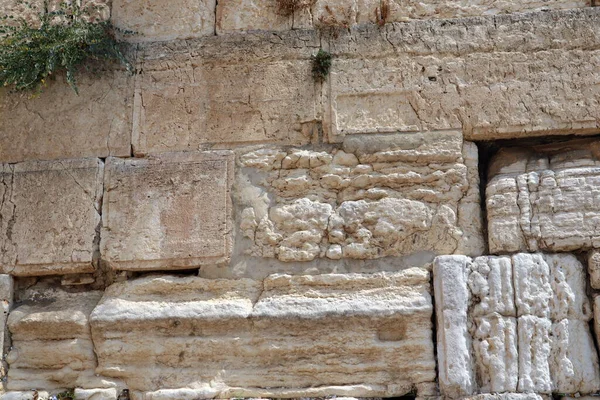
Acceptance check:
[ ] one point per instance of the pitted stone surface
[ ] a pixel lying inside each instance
(540, 342)
(543, 198)
(232, 336)
(171, 211)
(49, 216)
(365, 202)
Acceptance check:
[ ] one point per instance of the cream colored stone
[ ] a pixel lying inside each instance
(155, 20)
(225, 92)
(96, 394)
(51, 343)
(544, 199)
(171, 211)
(390, 196)
(245, 16)
(26, 395)
(230, 338)
(50, 212)
(96, 10)
(594, 268)
(60, 124)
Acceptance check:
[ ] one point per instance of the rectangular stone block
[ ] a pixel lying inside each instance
(171, 211)
(431, 75)
(238, 332)
(544, 198)
(157, 20)
(534, 354)
(60, 124)
(50, 215)
(51, 343)
(203, 95)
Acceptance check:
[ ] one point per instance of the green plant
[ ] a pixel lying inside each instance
(66, 395)
(321, 64)
(61, 41)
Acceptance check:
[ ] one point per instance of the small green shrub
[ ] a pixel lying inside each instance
(63, 40)
(321, 64)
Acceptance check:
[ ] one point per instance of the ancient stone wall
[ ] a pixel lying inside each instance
(220, 224)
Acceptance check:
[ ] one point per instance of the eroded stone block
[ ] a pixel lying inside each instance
(543, 198)
(237, 333)
(60, 124)
(171, 211)
(50, 215)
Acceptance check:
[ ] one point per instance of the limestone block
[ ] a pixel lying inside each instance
(396, 195)
(50, 212)
(534, 354)
(97, 10)
(59, 124)
(594, 268)
(171, 211)
(244, 16)
(52, 346)
(96, 394)
(490, 282)
(216, 92)
(431, 75)
(544, 199)
(159, 20)
(232, 337)
(26, 395)
(508, 396)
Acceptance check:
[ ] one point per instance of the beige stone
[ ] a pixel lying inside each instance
(50, 214)
(244, 16)
(390, 196)
(51, 343)
(171, 211)
(544, 199)
(213, 96)
(96, 10)
(59, 124)
(230, 338)
(594, 268)
(155, 20)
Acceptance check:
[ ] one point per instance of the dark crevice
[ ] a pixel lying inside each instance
(486, 151)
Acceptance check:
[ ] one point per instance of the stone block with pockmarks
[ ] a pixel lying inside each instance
(50, 213)
(171, 211)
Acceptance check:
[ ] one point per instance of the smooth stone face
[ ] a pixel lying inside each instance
(50, 214)
(171, 211)
(238, 332)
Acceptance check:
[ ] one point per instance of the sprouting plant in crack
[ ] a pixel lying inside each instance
(321, 65)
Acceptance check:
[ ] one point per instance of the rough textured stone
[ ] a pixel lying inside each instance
(60, 124)
(543, 198)
(594, 268)
(159, 20)
(28, 395)
(540, 342)
(232, 337)
(489, 76)
(52, 346)
(406, 194)
(171, 211)
(233, 91)
(49, 215)
(96, 10)
(96, 394)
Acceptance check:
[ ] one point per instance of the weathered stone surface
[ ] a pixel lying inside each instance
(159, 20)
(171, 211)
(237, 15)
(594, 268)
(488, 76)
(59, 124)
(52, 346)
(365, 202)
(49, 215)
(540, 342)
(96, 394)
(95, 10)
(26, 395)
(225, 91)
(508, 396)
(543, 198)
(232, 337)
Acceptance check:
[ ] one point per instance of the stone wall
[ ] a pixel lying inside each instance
(423, 222)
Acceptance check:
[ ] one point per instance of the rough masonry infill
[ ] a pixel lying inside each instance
(544, 198)
(170, 211)
(354, 334)
(378, 196)
(49, 215)
(514, 324)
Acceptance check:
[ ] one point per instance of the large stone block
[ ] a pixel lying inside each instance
(486, 76)
(171, 211)
(51, 343)
(388, 195)
(154, 20)
(219, 92)
(49, 216)
(60, 124)
(363, 335)
(544, 198)
(539, 342)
